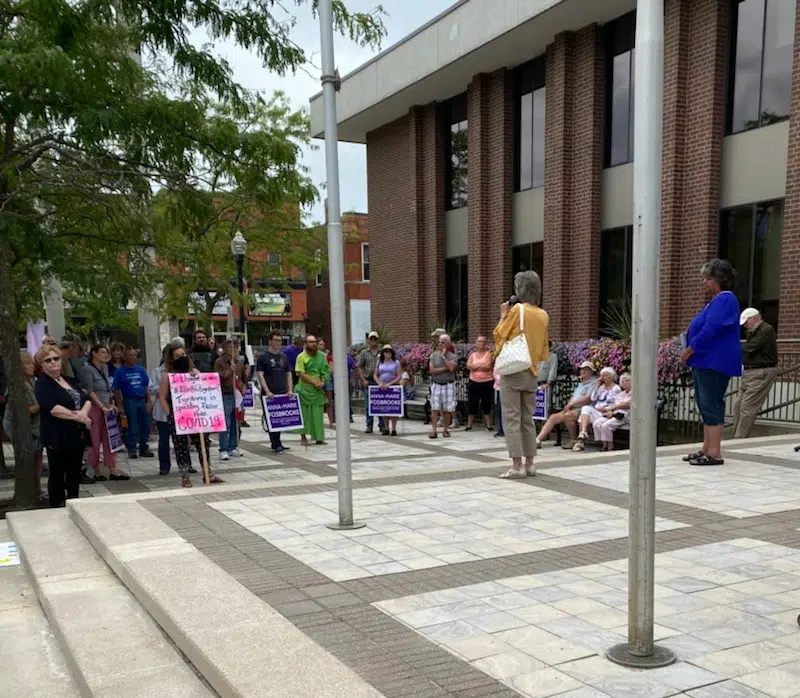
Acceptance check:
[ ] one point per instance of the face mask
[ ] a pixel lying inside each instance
(181, 363)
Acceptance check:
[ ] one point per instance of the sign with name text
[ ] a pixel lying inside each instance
(283, 413)
(387, 402)
(247, 396)
(542, 409)
(197, 403)
(114, 435)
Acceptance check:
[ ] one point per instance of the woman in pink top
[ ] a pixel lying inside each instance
(480, 389)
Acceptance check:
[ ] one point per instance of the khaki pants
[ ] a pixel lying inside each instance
(754, 388)
(518, 399)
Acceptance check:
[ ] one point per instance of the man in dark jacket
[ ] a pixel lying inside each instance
(760, 361)
(201, 353)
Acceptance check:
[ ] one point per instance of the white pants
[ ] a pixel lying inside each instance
(604, 428)
(594, 415)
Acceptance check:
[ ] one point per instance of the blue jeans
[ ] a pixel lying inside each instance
(370, 418)
(163, 446)
(138, 423)
(709, 392)
(229, 439)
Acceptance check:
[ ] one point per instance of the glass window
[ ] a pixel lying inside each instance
(760, 70)
(365, 261)
(750, 239)
(620, 37)
(527, 257)
(456, 296)
(457, 156)
(616, 272)
(529, 125)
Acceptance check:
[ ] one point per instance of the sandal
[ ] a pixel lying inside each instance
(693, 456)
(706, 459)
(186, 482)
(530, 470)
(514, 474)
(433, 436)
(215, 480)
(446, 434)
(468, 429)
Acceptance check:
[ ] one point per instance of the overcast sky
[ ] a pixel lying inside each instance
(402, 17)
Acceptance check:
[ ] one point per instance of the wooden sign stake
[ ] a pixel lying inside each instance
(204, 458)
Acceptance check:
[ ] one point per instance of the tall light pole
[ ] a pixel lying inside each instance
(640, 651)
(239, 250)
(330, 84)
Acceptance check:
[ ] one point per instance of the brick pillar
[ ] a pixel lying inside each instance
(789, 326)
(557, 169)
(573, 160)
(429, 204)
(405, 190)
(490, 192)
(694, 111)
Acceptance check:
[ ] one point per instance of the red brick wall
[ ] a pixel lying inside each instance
(573, 160)
(490, 192)
(790, 242)
(694, 120)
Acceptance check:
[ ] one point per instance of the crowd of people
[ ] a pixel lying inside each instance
(71, 395)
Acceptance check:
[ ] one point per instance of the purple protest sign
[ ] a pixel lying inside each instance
(114, 435)
(387, 402)
(541, 411)
(283, 413)
(247, 396)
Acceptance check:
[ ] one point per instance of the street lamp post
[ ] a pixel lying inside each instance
(640, 651)
(239, 250)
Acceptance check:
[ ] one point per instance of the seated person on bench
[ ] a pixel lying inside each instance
(603, 396)
(614, 416)
(569, 415)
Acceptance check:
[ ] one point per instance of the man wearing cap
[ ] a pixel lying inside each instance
(760, 360)
(366, 364)
(582, 395)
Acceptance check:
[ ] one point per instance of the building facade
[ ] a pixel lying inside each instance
(357, 273)
(500, 138)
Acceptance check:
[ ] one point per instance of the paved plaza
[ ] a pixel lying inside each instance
(463, 585)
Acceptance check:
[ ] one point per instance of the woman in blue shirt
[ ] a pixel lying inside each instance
(714, 353)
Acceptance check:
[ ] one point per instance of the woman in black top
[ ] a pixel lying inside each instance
(65, 419)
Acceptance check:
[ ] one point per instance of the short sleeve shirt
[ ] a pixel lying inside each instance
(583, 389)
(131, 382)
(274, 367)
(367, 361)
(438, 361)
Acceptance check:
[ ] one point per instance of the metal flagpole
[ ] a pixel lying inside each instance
(330, 85)
(640, 651)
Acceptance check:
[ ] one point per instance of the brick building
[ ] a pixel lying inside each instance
(500, 137)
(356, 285)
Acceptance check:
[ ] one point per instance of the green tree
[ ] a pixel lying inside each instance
(90, 128)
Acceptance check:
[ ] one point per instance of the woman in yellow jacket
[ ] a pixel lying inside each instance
(518, 390)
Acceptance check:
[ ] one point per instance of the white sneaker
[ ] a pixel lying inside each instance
(538, 443)
(224, 456)
(236, 453)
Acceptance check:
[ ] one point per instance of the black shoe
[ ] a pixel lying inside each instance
(384, 432)
(499, 433)
(394, 433)
(368, 430)
(100, 478)
(163, 472)
(245, 424)
(133, 454)
(192, 470)
(86, 480)
(286, 448)
(147, 453)
(119, 476)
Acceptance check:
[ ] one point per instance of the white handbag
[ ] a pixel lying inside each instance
(515, 356)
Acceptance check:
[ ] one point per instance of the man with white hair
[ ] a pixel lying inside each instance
(760, 361)
(443, 365)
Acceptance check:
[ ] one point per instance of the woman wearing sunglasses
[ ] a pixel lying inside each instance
(64, 411)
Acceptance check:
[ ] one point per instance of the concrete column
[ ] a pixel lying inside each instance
(54, 309)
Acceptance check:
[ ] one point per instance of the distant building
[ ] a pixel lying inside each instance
(356, 285)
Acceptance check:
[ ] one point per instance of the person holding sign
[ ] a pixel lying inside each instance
(177, 361)
(275, 378)
(388, 373)
(312, 373)
(231, 373)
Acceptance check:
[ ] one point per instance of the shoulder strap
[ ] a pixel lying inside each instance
(521, 317)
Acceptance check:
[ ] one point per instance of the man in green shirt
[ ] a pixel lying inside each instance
(312, 375)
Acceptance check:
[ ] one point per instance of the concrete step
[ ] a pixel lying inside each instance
(112, 647)
(33, 665)
(240, 645)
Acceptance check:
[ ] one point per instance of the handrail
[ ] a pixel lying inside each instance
(783, 372)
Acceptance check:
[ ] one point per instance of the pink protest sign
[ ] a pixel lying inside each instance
(197, 402)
